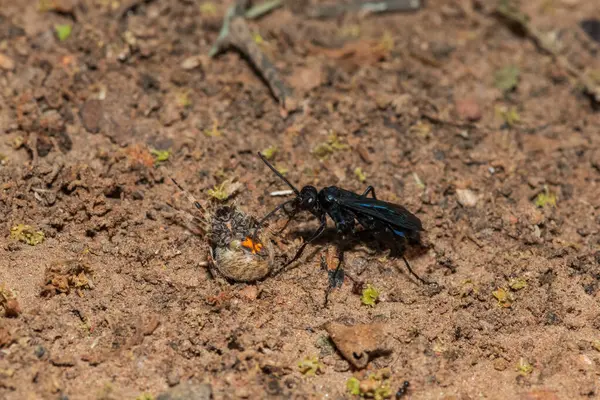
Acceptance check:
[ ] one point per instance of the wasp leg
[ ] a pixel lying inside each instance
(336, 277)
(315, 235)
(370, 189)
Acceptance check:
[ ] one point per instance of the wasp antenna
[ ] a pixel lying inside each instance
(279, 174)
(188, 195)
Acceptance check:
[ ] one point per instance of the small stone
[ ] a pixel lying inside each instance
(12, 308)
(308, 78)
(6, 63)
(62, 361)
(169, 113)
(539, 394)
(173, 378)
(39, 351)
(138, 195)
(468, 109)
(500, 364)
(191, 62)
(250, 292)
(466, 197)
(187, 391)
(91, 115)
(150, 325)
(5, 337)
(242, 393)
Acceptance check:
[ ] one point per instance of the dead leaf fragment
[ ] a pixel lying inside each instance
(360, 343)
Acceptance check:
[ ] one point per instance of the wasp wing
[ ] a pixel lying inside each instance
(393, 214)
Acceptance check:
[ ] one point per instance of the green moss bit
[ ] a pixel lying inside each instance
(504, 298)
(375, 386)
(219, 192)
(333, 144)
(360, 174)
(282, 170)
(353, 386)
(63, 31)
(545, 198)
(384, 391)
(369, 296)
(258, 39)
(160, 155)
(517, 283)
(524, 367)
(421, 129)
(183, 99)
(214, 131)
(26, 234)
(208, 8)
(269, 152)
(145, 396)
(509, 115)
(310, 366)
(507, 78)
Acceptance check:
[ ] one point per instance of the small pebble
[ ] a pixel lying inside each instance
(468, 109)
(500, 364)
(6, 63)
(466, 197)
(173, 378)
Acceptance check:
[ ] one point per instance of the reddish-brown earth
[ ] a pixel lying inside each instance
(117, 301)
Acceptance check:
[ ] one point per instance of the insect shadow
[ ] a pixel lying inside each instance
(387, 222)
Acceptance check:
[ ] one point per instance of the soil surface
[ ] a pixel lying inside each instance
(450, 111)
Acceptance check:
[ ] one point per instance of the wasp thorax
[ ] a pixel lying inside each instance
(233, 252)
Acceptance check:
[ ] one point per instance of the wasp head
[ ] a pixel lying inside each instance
(307, 199)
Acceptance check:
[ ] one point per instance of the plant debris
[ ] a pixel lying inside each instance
(524, 367)
(330, 146)
(63, 277)
(504, 297)
(364, 7)
(511, 13)
(359, 343)
(8, 301)
(63, 31)
(545, 198)
(269, 152)
(311, 366)
(358, 172)
(224, 190)
(507, 78)
(369, 296)
(236, 33)
(509, 115)
(160, 155)
(27, 234)
(374, 386)
(517, 283)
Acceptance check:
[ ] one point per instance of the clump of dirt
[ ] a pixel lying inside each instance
(480, 118)
(67, 276)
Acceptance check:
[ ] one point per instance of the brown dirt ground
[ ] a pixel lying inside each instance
(154, 318)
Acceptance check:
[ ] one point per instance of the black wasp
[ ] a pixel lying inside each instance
(344, 208)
